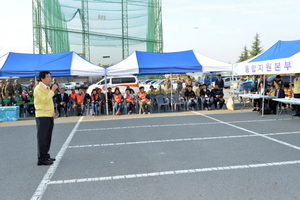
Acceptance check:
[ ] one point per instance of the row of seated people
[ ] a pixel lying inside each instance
(207, 97)
(19, 100)
(117, 101)
(78, 101)
(275, 90)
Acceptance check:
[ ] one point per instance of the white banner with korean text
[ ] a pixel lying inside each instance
(277, 66)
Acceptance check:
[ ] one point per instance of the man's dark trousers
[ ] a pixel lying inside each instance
(44, 135)
(297, 107)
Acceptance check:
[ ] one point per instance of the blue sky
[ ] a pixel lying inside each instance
(216, 28)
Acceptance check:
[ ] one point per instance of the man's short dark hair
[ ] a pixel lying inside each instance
(43, 74)
(141, 87)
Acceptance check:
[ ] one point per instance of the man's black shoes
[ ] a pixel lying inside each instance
(44, 162)
(296, 115)
(52, 159)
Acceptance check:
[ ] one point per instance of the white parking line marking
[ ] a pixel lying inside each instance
(176, 125)
(249, 131)
(175, 172)
(178, 140)
(39, 192)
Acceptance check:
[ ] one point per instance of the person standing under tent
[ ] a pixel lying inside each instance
(277, 80)
(297, 92)
(189, 81)
(179, 82)
(167, 84)
(17, 86)
(9, 87)
(44, 111)
(2, 86)
(220, 82)
(31, 86)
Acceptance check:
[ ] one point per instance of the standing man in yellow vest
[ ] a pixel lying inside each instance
(297, 92)
(44, 112)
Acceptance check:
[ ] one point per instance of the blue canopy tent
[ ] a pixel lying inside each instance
(282, 57)
(146, 63)
(166, 63)
(59, 64)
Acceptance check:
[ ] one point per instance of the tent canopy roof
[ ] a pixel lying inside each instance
(282, 49)
(59, 65)
(166, 63)
(282, 58)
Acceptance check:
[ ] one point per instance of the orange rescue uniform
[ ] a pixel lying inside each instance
(129, 98)
(118, 98)
(142, 96)
(79, 98)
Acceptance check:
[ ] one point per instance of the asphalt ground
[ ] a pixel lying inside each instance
(217, 154)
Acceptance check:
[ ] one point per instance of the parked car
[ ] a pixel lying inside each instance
(208, 79)
(121, 81)
(228, 81)
(69, 86)
(77, 85)
(62, 85)
(85, 85)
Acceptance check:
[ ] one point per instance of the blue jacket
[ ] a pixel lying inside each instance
(215, 92)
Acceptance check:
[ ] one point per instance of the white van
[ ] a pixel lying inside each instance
(117, 81)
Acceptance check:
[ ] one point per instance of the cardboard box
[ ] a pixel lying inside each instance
(9, 113)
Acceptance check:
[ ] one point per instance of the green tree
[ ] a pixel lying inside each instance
(256, 48)
(244, 55)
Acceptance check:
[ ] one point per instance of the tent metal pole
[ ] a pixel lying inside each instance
(106, 100)
(232, 80)
(171, 94)
(263, 99)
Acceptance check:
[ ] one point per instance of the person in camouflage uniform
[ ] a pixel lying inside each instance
(17, 86)
(9, 87)
(1, 89)
(31, 86)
